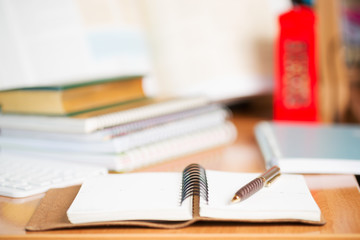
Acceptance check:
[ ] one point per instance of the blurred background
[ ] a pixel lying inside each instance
(222, 49)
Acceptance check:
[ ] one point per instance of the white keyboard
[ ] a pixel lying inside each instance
(22, 177)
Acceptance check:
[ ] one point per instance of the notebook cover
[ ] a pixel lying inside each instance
(299, 147)
(51, 215)
(102, 118)
(74, 84)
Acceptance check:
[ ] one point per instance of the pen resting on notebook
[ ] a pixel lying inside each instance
(255, 185)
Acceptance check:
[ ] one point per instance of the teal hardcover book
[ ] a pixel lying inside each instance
(310, 147)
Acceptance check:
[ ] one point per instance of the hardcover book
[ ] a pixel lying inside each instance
(72, 98)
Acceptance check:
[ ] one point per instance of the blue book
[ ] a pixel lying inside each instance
(310, 147)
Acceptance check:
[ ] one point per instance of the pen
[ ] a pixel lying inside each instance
(255, 185)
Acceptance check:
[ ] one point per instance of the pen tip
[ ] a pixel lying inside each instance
(235, 199)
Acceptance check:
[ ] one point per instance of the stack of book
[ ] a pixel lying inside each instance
(110, 123)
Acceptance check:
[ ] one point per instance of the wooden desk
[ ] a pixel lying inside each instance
(337, 195)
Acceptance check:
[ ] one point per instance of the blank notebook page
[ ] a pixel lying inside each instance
(288, 197)
(145, 196)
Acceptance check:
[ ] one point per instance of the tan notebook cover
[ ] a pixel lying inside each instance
(51, 214)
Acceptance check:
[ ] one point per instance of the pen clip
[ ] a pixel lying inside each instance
(272, 180)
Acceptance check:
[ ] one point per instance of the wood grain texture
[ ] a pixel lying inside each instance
(338, 197)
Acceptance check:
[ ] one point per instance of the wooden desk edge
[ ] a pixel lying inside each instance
(244, 151)
(176, 236)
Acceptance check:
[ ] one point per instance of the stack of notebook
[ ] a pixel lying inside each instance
(123, 135)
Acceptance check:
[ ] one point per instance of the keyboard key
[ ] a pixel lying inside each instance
(22, 177)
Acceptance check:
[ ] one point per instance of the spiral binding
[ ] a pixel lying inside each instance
(194, 182)
(167, 118)
(149, 111)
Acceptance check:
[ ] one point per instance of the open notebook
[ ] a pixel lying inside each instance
(170, 200)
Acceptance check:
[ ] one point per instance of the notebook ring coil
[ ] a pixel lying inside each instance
(194, 182)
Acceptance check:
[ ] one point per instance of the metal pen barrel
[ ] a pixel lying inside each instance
(270, 173)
